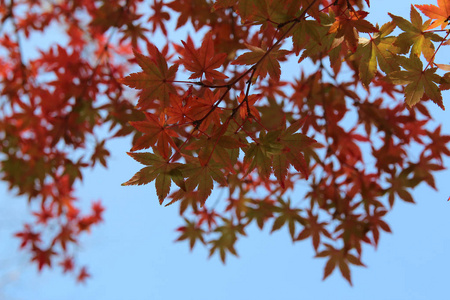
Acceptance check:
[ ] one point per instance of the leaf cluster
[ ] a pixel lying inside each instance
(225, 114)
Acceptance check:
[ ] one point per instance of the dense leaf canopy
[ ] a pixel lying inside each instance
(261, 104)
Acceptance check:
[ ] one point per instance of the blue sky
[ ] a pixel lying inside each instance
(132, 255)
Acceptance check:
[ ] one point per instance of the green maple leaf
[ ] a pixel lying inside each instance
(192, 232)
(201, 176)
(157, 168)
(314, 37)
(339, 258)
(222, 149)
(294, 144)
(289, 215)
(419, 82)
(260, 11)
(306, 31)
(414, 35)
(377, 51)
(259, 155)
(227, 238)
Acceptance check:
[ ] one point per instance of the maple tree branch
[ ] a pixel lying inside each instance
(240, 127)
(249, 83)
(437, 49)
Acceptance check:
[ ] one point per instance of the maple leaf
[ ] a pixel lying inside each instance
(155, 81)
(319, 41)
(260, 210)
(289, 215)
(100, 154)
(304, 32)
(177, 112)
(259, 155)
(349, 26)
(315, 229)
(83, 275)
(208, 216)
(64, 236)
(376, 221)
(399, 185)
(43, 257)
(415, 36)
(440, 14)
(226, 240)
(155, 132)
(314, 7)
(438, 146)
(222, 149)
(159, 17)
(202, 61)
(293, 145)
(262, 11)
(198, 11)
(379, 50)
(265, 61)
(340, 258)
(67, 264)
(201, 175)
(418, 82)
(85, 223)
(157, 168)
(45, 214)
(248, 109)
(28, 236)
(98, 210)
(204, 108)
(191, 231)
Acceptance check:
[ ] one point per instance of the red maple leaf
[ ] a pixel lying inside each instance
(98, 210)
(248, 108)
(43, 257)
(155, 132)
(28, 236)
(155, 81)
(159, 17)
(204, 107)
(177, 112)
(203, 60)
(67, 264)
(83, 275)
(65, 235)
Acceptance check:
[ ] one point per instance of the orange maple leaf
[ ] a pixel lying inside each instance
(440, 14)
(249, 108)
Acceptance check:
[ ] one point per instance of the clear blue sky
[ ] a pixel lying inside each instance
(132, 254)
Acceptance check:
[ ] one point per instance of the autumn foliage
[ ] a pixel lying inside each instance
(304, 112)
